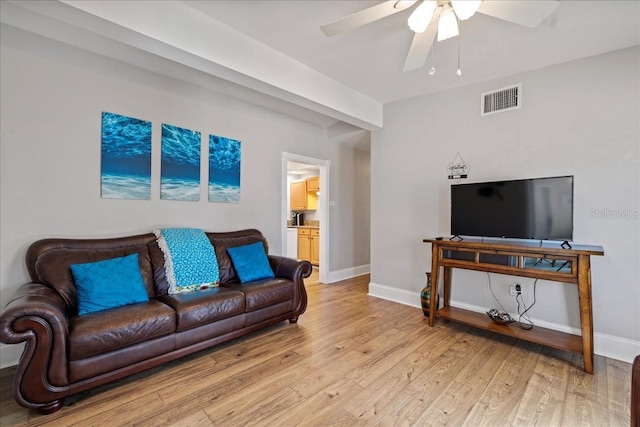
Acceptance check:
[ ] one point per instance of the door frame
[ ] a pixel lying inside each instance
(323, 211)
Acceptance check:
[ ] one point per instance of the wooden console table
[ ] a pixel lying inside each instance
(548, 261)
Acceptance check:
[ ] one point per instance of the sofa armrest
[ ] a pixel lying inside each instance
(289, 268)
(37, 315)
(294, 270)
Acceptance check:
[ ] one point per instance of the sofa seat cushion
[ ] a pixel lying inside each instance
(266, 292)
(108, 330)
(198, 308)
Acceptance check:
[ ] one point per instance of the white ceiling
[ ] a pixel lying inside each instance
(370, 59)
(273, 54)
(296, 168)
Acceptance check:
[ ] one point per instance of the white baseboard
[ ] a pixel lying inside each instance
(347, 273)
(396, 295)
(615, 347)
(604, 345)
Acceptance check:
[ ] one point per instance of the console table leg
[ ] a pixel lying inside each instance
(446, 286)
(434, 284)
(586, 313)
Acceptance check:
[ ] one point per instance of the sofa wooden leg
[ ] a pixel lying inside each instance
(51, 407)
(293, 320)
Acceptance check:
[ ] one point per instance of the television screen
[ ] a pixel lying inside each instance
(540, 208)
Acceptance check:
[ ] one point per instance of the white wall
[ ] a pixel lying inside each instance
(52, 99)
(354, 201)
(580, 118)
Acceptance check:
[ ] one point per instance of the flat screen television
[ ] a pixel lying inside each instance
(539, 208)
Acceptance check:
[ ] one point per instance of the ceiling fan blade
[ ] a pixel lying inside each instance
(365, 17)
(524, 12)
(421, 44)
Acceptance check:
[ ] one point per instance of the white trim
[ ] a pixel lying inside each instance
(400, 296)
(604, 345)
(117, 27)
(323, 211)
(616, 347)
(347, 273)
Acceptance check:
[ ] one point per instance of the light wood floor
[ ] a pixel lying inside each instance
(355, 360)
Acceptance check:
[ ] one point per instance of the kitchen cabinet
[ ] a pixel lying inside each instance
(313, 184)
(309, 245)
(315, 247)
(298, 195)
(304, 244)
(301, 199)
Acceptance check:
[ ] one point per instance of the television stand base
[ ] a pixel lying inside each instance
(517, 259)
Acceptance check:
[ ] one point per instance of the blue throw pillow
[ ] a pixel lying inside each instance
(251, 262)
(107, 284)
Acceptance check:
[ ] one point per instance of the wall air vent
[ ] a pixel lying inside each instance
(500, 100)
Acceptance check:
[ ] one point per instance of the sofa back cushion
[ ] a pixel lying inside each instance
(160, 281)
(223, 241)
(48, 261)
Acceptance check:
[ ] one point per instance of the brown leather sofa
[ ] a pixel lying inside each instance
(66, 354)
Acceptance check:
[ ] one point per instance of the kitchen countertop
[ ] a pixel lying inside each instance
(304, 226)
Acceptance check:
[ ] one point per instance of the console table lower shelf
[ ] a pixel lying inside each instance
(538, 335)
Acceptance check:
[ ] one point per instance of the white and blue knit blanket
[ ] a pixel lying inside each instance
(189, 259)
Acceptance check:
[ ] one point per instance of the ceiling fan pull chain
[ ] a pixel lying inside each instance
(459, 71)
(432, 70)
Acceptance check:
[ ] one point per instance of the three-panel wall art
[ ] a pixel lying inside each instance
(126, 162)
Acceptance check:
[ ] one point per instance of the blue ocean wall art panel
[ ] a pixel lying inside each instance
(180, 164)
(125, 157)
(224, 170)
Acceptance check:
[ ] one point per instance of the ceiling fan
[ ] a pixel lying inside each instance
(431, 17)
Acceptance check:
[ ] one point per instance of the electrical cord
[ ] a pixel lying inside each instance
(494, 295)
(524, 321)
(524, 315)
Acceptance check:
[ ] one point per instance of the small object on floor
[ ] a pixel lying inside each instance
(500, 317)
(425, 297)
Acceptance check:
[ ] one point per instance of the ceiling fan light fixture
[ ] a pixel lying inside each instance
(447, 26)
(420, 18)
(465, 9)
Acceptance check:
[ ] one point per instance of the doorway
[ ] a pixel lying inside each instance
(323, 167)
